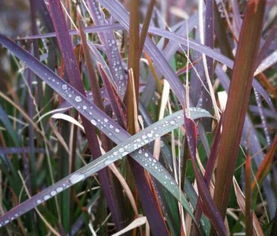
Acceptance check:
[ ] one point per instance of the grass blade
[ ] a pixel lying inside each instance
(248, 202)
(109, 41)
(265, 164)
(239, 92)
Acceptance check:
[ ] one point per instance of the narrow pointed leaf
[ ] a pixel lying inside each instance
(238, 98)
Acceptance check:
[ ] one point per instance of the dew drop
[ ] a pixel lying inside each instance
(85, 107)
(121, 150)
(39, 201)
(46, 197)
(78, 99)
(59, 189)
(108, 162)
(93, 122)
(75, 178)
(172, 122)
(117, 130)
(106, 120)
(53, 193)
(64, 87)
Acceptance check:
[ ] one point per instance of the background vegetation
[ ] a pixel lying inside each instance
(138, 117)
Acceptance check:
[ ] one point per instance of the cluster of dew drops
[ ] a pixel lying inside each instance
(112, 51)
(147, 161)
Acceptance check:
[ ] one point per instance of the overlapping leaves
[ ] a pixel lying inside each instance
(110, 128)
